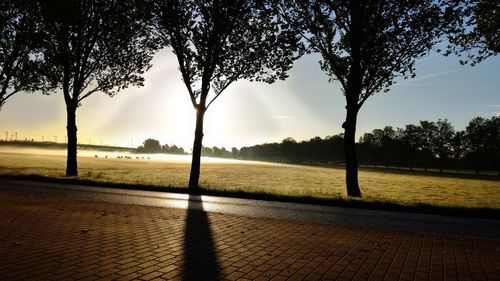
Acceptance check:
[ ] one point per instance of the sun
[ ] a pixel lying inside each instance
(180, 119)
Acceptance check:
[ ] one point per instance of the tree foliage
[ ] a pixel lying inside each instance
(482, 141)
(94, 46)
(391, 35)
(20, 59)
(475, 33)
(150, 146)
(219, 42)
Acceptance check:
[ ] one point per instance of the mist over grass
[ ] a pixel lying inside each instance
(260, 177)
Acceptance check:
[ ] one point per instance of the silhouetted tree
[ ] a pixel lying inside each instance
(483, 143)
(218, 42)
(207, 151)
(154, 146)
(288, 146)
(364, 45)
(216, 152)
(150, 146)
(174, 150)
(476, 31)
(412, 138)
(92, 46)
(225, 153)
(235, 152)
(441, 142)
(20, 59)
(457, 145)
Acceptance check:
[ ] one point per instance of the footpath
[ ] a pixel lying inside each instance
(48, 237)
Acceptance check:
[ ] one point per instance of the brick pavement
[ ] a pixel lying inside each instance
(48, 238)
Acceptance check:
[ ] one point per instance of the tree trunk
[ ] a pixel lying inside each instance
(71, 162)
(194, 176)
(352, 94)
(351, 161)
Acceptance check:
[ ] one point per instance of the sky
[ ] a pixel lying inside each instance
(247, 113)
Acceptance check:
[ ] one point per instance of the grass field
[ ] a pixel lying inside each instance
(278, 179)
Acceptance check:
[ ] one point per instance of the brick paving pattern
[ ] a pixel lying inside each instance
(49, 238)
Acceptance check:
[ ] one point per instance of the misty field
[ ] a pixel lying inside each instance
(280, 179)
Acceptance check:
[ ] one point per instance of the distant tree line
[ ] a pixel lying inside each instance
(425, 145)
(315, 150)
(218, 152)
(153, 146)
(435, 145)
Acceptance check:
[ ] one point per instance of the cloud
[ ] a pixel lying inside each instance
(489, 113)
(493, 105)
(314, 85)
(437, 74)
(276, 117)
(411, 82)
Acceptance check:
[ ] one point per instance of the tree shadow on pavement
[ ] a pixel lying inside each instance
(200, 258)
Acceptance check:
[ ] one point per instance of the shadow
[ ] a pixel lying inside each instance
(200, 259)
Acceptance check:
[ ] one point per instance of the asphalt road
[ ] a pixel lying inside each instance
(260, 208)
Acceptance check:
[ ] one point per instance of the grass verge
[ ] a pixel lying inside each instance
(348, 202)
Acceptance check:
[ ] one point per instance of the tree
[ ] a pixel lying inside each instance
(288, 147)
(234, 152)
(458, 145)
(150, 146)
(476, 30)
(207, 151)
(482, 137)
(173, 149)
(442, 137)
(218, 42)
(20, 60)
(413, 138)
(365, 45)
(92, 46)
